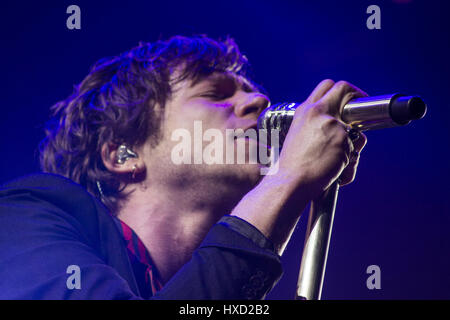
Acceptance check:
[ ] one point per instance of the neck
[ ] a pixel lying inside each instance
(173, 219)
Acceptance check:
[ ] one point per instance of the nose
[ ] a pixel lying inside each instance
(252, 105)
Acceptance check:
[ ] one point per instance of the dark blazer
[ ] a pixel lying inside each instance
(48, 223)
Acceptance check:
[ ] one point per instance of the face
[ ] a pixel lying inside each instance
(201, 119)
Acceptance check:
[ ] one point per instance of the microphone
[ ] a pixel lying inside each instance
(362, 114)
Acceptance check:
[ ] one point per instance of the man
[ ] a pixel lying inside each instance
(166, 230)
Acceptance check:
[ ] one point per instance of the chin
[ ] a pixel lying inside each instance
(243, 175)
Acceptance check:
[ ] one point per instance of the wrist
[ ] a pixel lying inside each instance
(274, 207)
(285, 183)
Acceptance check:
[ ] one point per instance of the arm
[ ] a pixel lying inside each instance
(235, 261)
(316, 151)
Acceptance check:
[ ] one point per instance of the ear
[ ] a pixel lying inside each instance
(109, 158)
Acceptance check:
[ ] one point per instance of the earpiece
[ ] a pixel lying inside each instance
(123, 154)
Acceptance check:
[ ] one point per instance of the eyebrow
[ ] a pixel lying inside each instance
(242, 82)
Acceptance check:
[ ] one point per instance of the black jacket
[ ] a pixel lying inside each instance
(49, 223)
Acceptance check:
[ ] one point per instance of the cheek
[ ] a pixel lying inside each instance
(210, 115)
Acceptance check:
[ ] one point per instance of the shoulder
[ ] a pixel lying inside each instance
(43, 198)
(50, 187)
(48, 222)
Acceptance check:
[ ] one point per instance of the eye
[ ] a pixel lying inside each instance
(219, 88)
(216, 95)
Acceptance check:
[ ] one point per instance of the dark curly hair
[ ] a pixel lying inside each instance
(121, 101)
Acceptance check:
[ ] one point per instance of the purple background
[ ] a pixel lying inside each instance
(395, 215)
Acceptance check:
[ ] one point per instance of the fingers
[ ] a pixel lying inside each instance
(330, 97)
(323, 109)
(348, 174)
(319, 91)
(360, 142)
(338, 96)
(332, 103)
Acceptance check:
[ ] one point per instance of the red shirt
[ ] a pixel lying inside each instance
(147, 276)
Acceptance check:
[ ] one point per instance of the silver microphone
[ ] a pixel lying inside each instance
(361, 114)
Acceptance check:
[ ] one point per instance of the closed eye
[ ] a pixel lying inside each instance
(216, 96)
(219, 87)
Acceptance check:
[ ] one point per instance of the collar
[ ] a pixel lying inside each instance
(145, 270)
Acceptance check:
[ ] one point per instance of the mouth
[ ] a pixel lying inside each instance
(257, 146)
(253, 126)
(248, 132)
(252, 135)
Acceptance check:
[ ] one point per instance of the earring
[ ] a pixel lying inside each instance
(133, 173)
(142, 186)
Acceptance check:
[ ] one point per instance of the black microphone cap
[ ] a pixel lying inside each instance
(403, 109)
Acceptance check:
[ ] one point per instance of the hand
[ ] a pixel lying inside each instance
(317, 149)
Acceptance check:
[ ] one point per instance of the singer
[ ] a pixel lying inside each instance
(112, 217)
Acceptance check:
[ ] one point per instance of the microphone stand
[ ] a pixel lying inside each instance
(317, 241)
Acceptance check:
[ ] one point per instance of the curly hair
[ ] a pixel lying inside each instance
(121, 101)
